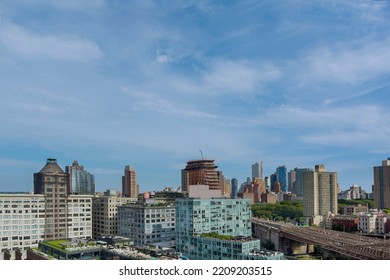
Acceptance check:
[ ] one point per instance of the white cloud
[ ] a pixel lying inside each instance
(238, 76)
(347, 63)
(20, 40)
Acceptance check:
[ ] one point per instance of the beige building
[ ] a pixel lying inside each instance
(105, 214)
(319, 193)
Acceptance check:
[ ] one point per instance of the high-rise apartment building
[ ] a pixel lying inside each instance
(382, 185)
(79, 180)
(319, 192)
(201, 172)
(129, 183)
(52, 182)
(257, 170)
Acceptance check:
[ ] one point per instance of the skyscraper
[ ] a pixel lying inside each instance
(200, 172)
(79, 180)
(52, 182)
(382, 185)
(129, 183)
(319, 192)
(257, 170)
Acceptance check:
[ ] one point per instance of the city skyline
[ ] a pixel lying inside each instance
(149, 84)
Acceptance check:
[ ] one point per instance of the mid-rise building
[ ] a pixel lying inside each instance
(382, 185)
(22, 221)
(130, 188)
(216, 229)
(147, 223)
(79, 220)
(79, 180)
(105, 214)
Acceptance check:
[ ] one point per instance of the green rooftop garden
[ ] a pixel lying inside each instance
(217, 236)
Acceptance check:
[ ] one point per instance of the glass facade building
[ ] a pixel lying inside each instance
(228, 219)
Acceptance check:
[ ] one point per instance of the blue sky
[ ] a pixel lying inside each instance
(150, 83)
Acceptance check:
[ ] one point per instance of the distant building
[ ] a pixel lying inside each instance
(298, 184)
(130, 188)
(281, 177)
(257, 170)
(350, 210)
(291, 178)
(354, 192)
(382, 185)
(79, 180)
(345, 223)
(269, 197)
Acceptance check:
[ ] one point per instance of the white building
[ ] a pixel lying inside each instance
(147, 224)
(23, 219)
(373, 222)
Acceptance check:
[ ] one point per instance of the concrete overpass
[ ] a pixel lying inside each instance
(291, 239)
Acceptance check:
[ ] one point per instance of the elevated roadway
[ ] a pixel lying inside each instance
(347, 244)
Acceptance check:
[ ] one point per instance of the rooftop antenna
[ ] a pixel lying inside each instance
(201, 154)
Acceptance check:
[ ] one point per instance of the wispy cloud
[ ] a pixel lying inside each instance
(61, 47)
(229, 76)
(349, 63)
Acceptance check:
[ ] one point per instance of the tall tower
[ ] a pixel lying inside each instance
(129, 183)
(201, 172)
(257, 170)
(382, 185)
(52, 182)
(79, 180)
(319, 192)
